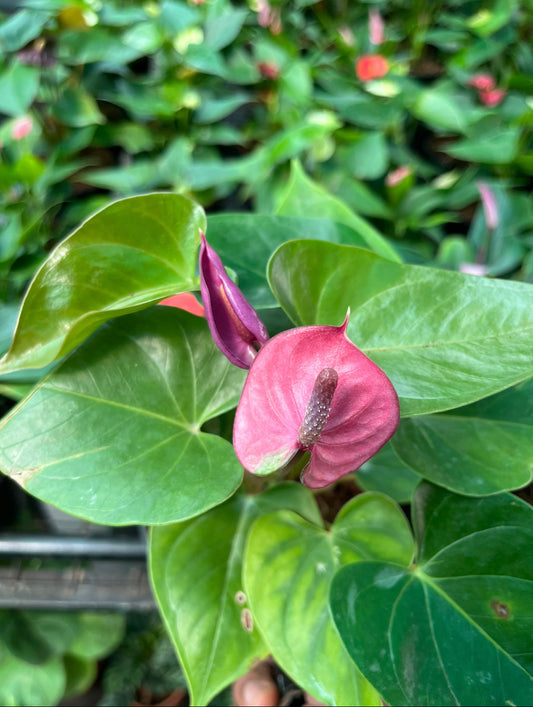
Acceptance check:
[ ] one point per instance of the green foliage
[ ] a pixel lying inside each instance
(47, 655)
(362, 193)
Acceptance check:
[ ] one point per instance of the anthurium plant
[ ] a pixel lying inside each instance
(234, 433)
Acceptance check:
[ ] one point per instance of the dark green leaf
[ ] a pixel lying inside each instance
(476, 450)
(461, 618)
(386, 473)
(245, 243)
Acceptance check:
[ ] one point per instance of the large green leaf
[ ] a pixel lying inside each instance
(245, 243)
(483, 448)
(307, 199)
(455, 629)
(196, 570)
(289, 564)
(114, 434)
(130, 254)
(445, 339)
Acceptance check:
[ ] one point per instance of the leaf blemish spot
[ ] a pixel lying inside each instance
(240, 597)
(500, 609)
(247, 620)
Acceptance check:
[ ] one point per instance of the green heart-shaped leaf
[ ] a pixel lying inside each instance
(456, 629)
(483, 448)
(113, 435)
(289, 564)
(196, 570)
(444, 339)
(130, 254)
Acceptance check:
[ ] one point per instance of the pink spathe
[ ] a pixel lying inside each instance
(363, 414)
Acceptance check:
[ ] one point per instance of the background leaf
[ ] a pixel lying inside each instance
(444, 339)
(288, 567)
(461, 618)
(305, 198)
(196, 570)
(386, 473)
(128, 255)
(113, 435)
(245, 243)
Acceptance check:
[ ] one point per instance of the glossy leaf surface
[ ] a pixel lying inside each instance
(113, 435)
(483, 448)
(444, 339)
(196, 570)
(305, 198)
(131, 254)
(461, 618)
(289, 565)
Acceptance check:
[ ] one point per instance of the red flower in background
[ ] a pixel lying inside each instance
(371, 66)
(488, 94)
(492, 98)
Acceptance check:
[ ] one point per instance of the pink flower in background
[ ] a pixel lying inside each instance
(398, 175)
(22, 127)
(492, 98)
(235, 327)
(376, 27)
(268, 69)
(488, 94)
(482, 82)
(270, 17)
(490, 206)
(371, 66)
(311, 389)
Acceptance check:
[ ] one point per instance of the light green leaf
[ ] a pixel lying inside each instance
(496, 147)
(306, 199)
(289, 564)
(196, 570)
(444, 339)
(18, 88)
(461, 618)
(128, 255)
(114, 434)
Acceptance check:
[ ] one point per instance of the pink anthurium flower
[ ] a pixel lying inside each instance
(236, 329)
(311, 389)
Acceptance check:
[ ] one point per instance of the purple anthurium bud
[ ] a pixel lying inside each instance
(311, 389)
(236, 329)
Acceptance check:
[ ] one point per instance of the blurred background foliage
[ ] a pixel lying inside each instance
(401, 109)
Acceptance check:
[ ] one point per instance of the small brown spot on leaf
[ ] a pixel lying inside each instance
(247, 620)
(240, 597)
(500, 609)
